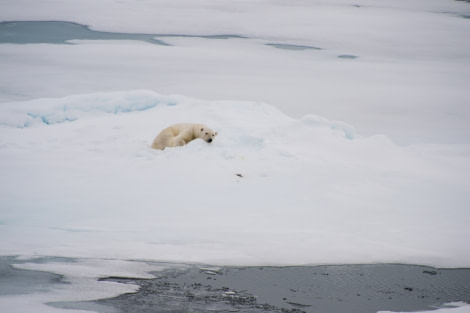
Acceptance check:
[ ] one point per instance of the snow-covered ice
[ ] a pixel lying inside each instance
(79, 180)
(79, 171)
(454, 307)
(319, 158)
(408, 82)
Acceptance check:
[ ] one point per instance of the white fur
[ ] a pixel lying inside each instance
(180, 134)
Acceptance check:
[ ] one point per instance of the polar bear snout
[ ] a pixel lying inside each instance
(208, 134)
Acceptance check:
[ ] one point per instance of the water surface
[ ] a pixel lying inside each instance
(58, 32)
(310, 289)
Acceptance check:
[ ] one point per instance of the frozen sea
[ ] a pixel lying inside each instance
(343, 138)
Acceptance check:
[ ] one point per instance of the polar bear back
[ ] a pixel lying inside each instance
(180, 134)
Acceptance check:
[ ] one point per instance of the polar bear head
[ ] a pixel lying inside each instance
(207, 134)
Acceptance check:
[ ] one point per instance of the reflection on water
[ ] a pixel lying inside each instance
(56, 32)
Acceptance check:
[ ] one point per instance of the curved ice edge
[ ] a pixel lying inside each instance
(315, 120)
(50, 111)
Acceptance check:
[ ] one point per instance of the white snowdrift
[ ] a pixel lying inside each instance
(80, 180)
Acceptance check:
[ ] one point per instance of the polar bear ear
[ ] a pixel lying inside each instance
(215, 134)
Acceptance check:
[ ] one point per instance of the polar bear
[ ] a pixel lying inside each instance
(180, 134)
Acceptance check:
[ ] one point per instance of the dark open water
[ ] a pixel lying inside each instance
(312, 289)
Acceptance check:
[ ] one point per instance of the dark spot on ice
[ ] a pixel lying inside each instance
(292, 47)
(347, 56)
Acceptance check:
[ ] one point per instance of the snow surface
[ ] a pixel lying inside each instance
(409, 81)
(80, 180)
(454, 307)
(339, 160)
